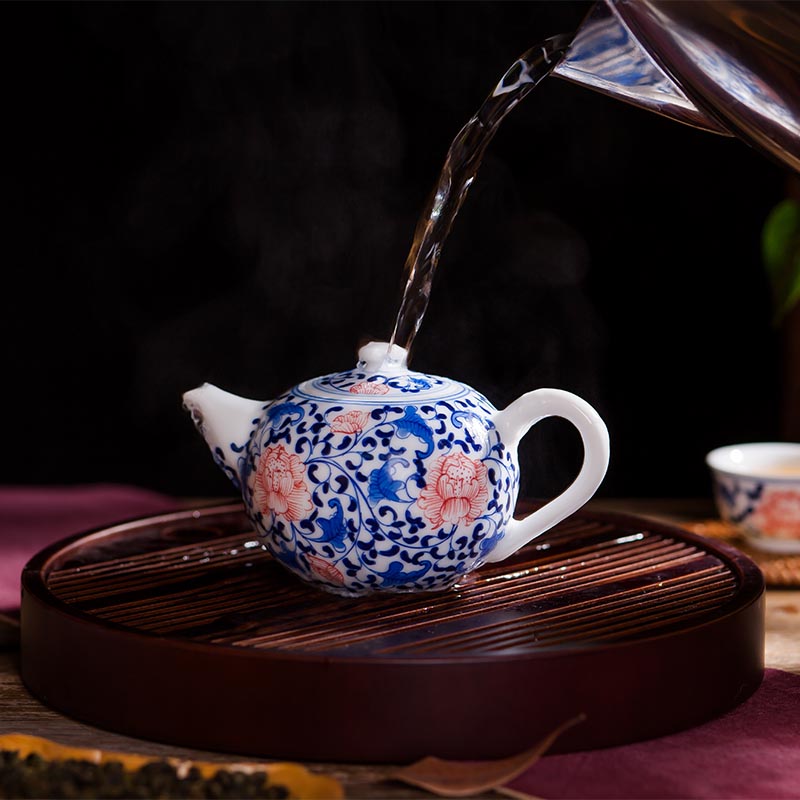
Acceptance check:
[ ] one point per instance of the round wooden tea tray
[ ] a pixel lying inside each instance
(180, 628)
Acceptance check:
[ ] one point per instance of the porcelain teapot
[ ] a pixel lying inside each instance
(382, 479)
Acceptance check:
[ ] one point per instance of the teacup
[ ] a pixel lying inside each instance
(757, 489)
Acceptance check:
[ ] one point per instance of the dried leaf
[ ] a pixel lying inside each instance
(515, 793)
(466, 778)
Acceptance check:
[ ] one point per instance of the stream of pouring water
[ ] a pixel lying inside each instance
(459, 170)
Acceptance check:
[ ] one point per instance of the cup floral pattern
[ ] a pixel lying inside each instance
(403, 488)
(763, 511)
(778, 514)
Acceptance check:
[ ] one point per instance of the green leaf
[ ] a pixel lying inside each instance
(780, 247)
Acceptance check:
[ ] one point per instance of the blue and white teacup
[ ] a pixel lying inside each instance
(757, 489)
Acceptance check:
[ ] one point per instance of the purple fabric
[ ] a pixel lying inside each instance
(31, 517)
(750, 752)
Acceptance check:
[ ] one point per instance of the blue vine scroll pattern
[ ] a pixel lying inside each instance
(358, 486)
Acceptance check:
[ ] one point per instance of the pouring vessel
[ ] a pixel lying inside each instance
(727, 66)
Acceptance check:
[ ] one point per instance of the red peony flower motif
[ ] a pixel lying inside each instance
(369, 387)
(455, 492)
(350, 422)
(778, 514)
(322, 569)
(280, 484)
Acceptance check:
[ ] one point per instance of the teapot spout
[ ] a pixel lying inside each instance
(605, 56)
(226, 422)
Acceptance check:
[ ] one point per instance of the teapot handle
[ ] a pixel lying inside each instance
(514, 422)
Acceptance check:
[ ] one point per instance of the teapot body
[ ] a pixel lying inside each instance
(381, 479)
(368, 481)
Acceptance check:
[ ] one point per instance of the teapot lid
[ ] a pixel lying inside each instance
(382, 356)
(381, 375)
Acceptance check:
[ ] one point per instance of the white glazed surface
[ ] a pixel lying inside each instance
(757, 489)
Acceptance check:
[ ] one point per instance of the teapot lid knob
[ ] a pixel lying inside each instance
(382, 357)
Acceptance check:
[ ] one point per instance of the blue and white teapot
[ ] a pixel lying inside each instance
(382, 479)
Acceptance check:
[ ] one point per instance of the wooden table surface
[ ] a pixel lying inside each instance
(22, 713)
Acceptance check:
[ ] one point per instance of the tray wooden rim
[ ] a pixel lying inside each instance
(750, 589)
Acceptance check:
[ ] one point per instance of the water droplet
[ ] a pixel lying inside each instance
(636, 537)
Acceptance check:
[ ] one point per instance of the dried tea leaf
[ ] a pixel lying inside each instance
(466, 778)
(299, 782)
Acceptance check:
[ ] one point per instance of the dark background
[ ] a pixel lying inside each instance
(227, 192)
